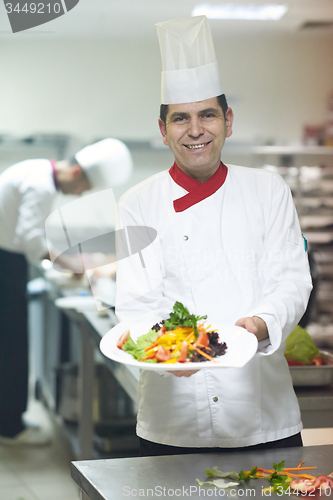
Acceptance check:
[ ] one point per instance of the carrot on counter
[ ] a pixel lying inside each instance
(299, 468)
(285, 472)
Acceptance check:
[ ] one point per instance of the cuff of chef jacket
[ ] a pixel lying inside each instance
(271, 344)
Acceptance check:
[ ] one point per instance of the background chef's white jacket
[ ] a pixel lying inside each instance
(239, 252)
(27, 191)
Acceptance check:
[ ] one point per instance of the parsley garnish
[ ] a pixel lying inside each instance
(181, 317)
(242, 476)
(278, 479)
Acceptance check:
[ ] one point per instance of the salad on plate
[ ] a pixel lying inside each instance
(182, 338)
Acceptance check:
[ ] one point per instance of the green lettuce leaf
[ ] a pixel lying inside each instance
(215, 472)
(218, 483)
(300, 346)
(137, 350)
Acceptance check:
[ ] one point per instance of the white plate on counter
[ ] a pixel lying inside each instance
(78, 302)
(241, 347)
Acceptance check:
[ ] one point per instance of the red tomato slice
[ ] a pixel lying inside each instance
(309, 485)
(202, 338)
(162, 354)
(121, 341)
(292, 362)
(183, 353)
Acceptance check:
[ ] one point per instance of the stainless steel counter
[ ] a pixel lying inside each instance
(175, 476)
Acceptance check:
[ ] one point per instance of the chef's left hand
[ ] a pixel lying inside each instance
(254, 325)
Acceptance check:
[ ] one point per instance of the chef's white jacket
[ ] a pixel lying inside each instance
(27, 191)
(239, 252)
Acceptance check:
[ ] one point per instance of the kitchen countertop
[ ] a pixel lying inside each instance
(172, 476)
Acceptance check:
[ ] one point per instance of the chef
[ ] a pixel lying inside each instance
(228, 245)
(27, 191)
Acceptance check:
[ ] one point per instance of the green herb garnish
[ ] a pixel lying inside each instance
(181, 317)
(277, 479)
(242, 476)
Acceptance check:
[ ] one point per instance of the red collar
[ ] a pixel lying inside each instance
(197, 191)
(54, 175)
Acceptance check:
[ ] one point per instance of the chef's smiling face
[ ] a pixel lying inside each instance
(195, 132)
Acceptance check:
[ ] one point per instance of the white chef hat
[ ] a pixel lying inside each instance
(106, 163)
(190, 70)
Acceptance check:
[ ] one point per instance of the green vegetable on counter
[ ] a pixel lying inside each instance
(215, 472)
(246, 476)
(277, 477)
(300, 346)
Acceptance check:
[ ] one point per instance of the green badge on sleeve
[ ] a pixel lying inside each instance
(305, 244)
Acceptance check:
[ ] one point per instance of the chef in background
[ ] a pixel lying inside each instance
(231, 248)
(27, 192)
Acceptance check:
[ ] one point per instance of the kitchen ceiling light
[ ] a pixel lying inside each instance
(265, 12)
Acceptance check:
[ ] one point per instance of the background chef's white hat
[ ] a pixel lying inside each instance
(106, 163)
(190, 71)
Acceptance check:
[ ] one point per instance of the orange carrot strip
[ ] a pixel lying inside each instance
(151, 351)
(151, 356)
(154, 344)
(184, 329)
(307, 476)
(283, 473)
(179, 346)
(204, 354)
(200, 345)
(298, 476)
(300, 465)
(181, 328)
(299, 468)
(189, 336)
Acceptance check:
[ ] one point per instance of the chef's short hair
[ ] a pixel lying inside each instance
(221, 99)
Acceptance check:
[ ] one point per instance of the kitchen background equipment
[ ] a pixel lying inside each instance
(314, 375)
